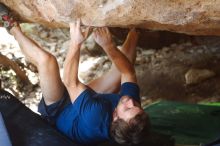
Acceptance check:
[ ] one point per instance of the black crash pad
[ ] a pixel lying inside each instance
(27, 128)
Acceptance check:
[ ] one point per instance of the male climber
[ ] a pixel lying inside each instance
(87, 113)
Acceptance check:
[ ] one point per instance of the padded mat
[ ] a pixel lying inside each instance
(26, 128)
(187, 123)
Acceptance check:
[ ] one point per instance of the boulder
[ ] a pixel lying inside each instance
(196, 17)
(195, 76)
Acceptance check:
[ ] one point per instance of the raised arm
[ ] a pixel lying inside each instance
(71, 64)
(103, 38)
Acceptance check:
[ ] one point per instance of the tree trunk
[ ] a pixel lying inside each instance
(14, 66)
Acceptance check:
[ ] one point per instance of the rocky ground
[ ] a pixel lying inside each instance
(188, 71)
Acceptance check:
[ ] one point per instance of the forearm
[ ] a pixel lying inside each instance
(70, 77)
(71, 65)
(122, 63)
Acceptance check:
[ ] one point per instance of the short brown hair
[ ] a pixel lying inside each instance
(131, 132)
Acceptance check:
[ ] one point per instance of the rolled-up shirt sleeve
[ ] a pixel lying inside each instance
(130, 89)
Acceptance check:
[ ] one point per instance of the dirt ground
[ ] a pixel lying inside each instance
(161, 73)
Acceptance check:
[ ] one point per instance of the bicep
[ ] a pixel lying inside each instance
(129, 77)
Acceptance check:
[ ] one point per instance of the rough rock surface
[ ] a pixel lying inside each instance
(197, 17)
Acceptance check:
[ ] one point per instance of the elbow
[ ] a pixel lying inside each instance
(130, 70)
(129, 76)
(70, 83)
(66, 82)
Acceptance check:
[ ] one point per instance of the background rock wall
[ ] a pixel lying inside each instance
(197, 17)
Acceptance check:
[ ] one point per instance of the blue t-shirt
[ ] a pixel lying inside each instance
(87, 120)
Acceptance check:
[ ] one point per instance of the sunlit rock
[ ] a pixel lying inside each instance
(197, 17)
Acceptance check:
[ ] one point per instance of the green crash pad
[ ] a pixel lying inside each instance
(188, 124)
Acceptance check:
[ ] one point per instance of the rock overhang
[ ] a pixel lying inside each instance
(194, 17)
